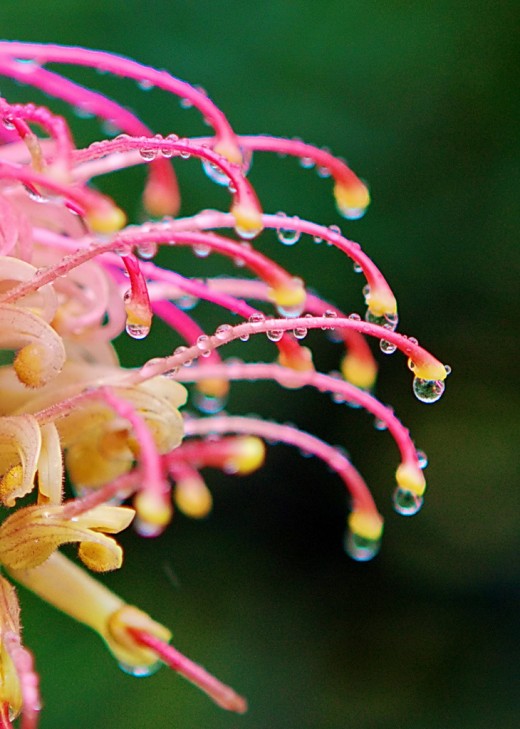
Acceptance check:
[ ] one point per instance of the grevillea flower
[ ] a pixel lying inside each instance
(91, 446)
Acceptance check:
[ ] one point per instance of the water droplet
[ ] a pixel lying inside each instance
(148, 154)
(204, 345)
(208, 404)
(373, 318)
(186, 103)
(137, 331)
(380, 424)
(351, 213)
(291, 311)
(428, 390)
(317, 239)
(35, 196)
(329, 314)
(387, 347)
(8, 123)
(354, 317)
(257, 319)
(335, 229)
(323, 171)
(300, 332)
(447, 369)
(145, 84)
(180, 352)
(224, 332)
(422, 459)
(144, 529)
(247, 233)
(214, 173)
(288, 236)
(187, 302)
(147, 250)
(201, 251)
(140, 671)
(307, 163)
(406, 502)
(358, 268)
(274, 334)
(244, 337)
(360, 548)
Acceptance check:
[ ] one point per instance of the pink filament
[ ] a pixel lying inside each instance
(221, 694)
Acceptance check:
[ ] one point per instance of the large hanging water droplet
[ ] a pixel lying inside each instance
(428, 390)
(300, 332)
(406, 502)
(351, 213)
(360, 548)
(137, 331)
(291, 312)
(215, 173)
(209, 404)
(140, 671)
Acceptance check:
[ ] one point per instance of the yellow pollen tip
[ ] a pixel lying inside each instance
(129, 616)
(381, 303)
(229, 151)
(299, 360)
(410, 478)
(107, 219)
(430, 370)
(248, 220)
(193, 498)
(249, 456)
(351, 198)
(153, 510)
(287, 295)
(213, 387)
(366, 524)
(361, 373)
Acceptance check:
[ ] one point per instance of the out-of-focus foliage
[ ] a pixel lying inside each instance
(420, 98)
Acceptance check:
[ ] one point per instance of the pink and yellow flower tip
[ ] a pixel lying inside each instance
(352, 200)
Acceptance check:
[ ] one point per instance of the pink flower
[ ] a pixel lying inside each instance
(74, 275)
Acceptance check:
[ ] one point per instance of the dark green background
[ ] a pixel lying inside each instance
(420, 98)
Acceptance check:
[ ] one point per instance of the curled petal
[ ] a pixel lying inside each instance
(41, 301)
(29, 536)
(20, 444)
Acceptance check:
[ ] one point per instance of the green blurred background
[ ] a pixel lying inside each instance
(420, 99)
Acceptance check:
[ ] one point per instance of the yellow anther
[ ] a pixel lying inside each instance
(359, 372)
(289, 294)
(193, 498)
(351, 198)
(153, 510)
(366, 524)
(249, 454)
(248, 220)
(410, 478)
(107, 219)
